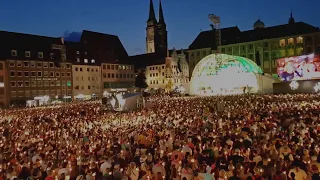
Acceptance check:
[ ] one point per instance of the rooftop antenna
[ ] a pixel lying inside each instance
(215, 20)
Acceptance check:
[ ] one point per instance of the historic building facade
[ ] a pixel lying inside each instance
(164, 69)
(100, 63)
(34, 69)
(86, 81)
(262, 44)
(37, 70)
(117, 77)
(172, 74)
(157, 38)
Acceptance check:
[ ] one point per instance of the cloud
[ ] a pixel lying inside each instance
(72, 36)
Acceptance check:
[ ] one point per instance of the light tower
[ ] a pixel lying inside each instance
(215, 20)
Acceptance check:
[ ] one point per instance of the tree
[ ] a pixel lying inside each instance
(169, 85)
(141, 81)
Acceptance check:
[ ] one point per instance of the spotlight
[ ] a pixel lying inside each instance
(316, 87)
(294, 85)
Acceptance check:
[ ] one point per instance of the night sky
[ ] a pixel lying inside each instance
(127, 18)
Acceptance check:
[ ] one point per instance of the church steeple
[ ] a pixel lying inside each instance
(161, 17)
(152, 16)
(156, 39)
(291, 19)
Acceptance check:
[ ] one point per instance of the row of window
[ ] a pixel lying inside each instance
(162, 67)
(89, 78)
(28, 54)
(155, 67)
(86, 61)
(37, 83)
(156, 74)
(277, 54)
(175, 81)
(203, 53)
(291, 41)
(163, 74)
(88, 69)
(35, 93)
(282, 42)
(38, 74)
(115, 75)
(83, 88)
(34, 64)
(117, 67)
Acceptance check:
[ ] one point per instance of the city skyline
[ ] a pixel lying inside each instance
(185, 19)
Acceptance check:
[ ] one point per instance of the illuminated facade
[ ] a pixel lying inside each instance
(171, 74)
(227, 74)
(261, 44)
(100, 63)
(117, 77)
(86, 82)
(34, 70)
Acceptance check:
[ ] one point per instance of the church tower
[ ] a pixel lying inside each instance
(151, 30)
(162, 32)
(157, 38)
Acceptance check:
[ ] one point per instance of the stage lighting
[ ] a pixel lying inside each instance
(294, 85)
(317, 87)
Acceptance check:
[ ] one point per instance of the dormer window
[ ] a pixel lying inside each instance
(27, 54)
(85, 53)
(40, 55)
(299, 40)
(85, 60)
(14, 53)
(93, 61)
(290, 41)
(282, 42)
(78, 52)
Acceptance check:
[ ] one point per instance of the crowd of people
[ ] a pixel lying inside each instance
(245, 137)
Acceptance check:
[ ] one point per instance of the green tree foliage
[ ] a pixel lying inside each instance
(141, 81)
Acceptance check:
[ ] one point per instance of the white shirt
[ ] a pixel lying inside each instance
(300, 174)
(63, 171)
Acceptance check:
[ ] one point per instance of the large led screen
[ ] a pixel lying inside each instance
(299, 67)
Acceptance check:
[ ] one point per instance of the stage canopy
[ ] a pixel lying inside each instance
(225, 74)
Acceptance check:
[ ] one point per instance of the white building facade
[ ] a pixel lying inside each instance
(86, 82)
(172, 75)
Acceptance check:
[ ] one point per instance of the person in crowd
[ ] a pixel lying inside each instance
(219, 137)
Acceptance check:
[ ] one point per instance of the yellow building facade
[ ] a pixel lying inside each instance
(169, 75)
(86, 82)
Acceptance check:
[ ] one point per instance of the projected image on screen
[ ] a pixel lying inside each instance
(299, 67)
